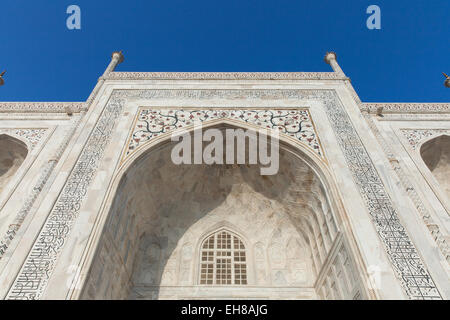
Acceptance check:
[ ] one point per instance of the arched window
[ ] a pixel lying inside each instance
(223, 260)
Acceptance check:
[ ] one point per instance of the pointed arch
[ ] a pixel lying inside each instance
(12, 154)
(435, 153)
(149, 171)
(218, 123)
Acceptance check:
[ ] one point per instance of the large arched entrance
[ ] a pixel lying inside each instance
(224, 232)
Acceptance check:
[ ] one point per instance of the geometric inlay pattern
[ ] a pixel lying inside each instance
(37, 269)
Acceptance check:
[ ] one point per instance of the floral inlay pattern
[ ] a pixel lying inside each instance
(151, 123)
(415, 136)
(31, 136)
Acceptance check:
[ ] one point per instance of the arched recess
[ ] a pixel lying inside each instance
(156, 212)
(12, 154)
(435, 154)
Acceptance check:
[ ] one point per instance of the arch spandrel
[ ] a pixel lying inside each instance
(417, 137)
(30, 137)
(151, 123)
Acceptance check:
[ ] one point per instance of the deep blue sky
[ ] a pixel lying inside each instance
(402, 62)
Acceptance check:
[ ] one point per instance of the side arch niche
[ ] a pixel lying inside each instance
(436, 155)
(290, 224)
(12, 154)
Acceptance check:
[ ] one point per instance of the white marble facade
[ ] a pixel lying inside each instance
(93, 207)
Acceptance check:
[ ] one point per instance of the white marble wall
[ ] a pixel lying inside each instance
(430, 223)
(101, 241)
(41, 135)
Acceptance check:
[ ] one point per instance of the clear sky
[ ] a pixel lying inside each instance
(402, 62)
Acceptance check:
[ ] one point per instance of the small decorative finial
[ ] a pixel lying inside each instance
(447, 80)
(331, 59)
(2, 81)
(120, 54)
(329, 56)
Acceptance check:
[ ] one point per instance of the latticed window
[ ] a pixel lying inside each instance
(223, 260)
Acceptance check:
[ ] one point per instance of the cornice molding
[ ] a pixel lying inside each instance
(406, 107)
(224, 76)
(42, 107)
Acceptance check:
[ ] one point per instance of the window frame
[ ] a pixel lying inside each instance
(228, 254)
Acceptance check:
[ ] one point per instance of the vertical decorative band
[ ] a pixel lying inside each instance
(37, 269)
(404, 257)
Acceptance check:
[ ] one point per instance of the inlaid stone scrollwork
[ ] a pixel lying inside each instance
(30, 136)
(416, 136)
(151, 123)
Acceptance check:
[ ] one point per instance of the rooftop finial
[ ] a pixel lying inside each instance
(447, 80)
(330, 55)
(116, 58)
(2, 81)
(119, 55)
(330, 58)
